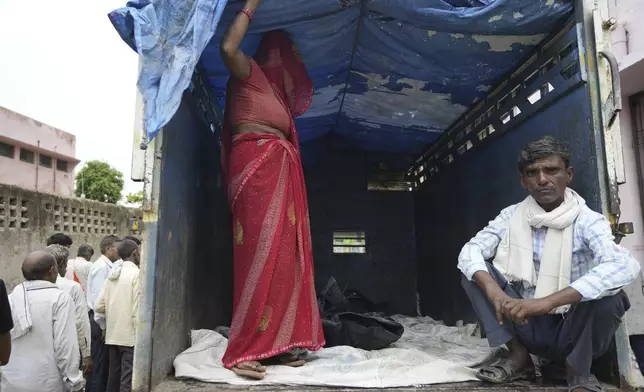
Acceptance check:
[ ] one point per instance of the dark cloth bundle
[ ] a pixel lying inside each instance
(350, 319)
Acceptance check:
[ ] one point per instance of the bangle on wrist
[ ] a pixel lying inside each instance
(248, 13)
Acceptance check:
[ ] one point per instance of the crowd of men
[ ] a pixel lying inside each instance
(70, 326)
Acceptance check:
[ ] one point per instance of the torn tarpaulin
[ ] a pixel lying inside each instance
(169, 36)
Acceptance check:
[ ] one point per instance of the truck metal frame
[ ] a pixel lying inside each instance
(566, 67)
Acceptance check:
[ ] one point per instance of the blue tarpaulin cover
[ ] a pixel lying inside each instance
(389, 75)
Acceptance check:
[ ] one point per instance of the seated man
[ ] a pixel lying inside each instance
(553, 285)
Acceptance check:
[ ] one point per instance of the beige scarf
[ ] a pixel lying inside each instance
(514, 256)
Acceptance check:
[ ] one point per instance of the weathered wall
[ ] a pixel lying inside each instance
(27, 218)
(630, 195)
(628, 47)
(339, 200)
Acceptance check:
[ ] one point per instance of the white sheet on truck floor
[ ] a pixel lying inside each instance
(428, 353)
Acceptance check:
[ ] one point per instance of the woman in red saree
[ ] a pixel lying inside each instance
(275, 309)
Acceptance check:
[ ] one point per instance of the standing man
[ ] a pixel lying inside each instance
(45, 348)
(66, 241)
(133, 238)
(60, 239)
(101, 268)
(117, 308)
(78, 268)
(61, 254)
(545, 277)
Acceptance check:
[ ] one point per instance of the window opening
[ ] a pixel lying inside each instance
(349, 242)
(7, 150)
(61, 165)
(534, 97)
(570, 71)
(533, 76)
(27, 156)
(45, 161)
(565, 52)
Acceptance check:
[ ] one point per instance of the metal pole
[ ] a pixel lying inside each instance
(37, 162)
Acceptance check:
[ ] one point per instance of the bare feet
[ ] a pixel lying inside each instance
(250, 369)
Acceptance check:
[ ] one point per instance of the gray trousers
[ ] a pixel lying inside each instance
(121, 364)
(97, 379)
(581, 335)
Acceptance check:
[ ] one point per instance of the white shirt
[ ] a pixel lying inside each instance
(80, 310)
(600, 267)
(80, 267)
(46, 358)
(96, 279)
(119, 303)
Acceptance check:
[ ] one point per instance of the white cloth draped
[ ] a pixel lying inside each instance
(515, 254)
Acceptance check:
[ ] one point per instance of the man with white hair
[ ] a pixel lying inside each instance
(61, 254)
(45, 349)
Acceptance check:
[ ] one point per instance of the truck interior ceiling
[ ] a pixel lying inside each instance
(409, 148)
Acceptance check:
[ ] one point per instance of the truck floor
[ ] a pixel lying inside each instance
(174, 385)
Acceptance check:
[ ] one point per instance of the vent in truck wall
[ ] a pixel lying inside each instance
(398, 186)
(381, 179)
(549, 74)
(349, 242)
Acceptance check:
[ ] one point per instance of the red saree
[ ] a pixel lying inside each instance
(275, 308)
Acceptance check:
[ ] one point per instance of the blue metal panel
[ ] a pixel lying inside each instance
(189, 262)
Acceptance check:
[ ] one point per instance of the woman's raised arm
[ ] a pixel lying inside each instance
(235, 60)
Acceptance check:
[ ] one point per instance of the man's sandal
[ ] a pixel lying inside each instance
(587, 383)
(504, 371)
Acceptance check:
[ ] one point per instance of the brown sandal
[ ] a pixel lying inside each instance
(253, 370)
(589, 383)
(505, 371)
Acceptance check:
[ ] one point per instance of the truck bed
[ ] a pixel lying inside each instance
(174, 385)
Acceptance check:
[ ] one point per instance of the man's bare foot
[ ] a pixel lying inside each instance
(250, 369)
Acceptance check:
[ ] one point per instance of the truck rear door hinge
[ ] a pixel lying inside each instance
(621, 230)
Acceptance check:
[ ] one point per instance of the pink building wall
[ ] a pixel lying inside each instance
(22, 132)
(628, 47)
